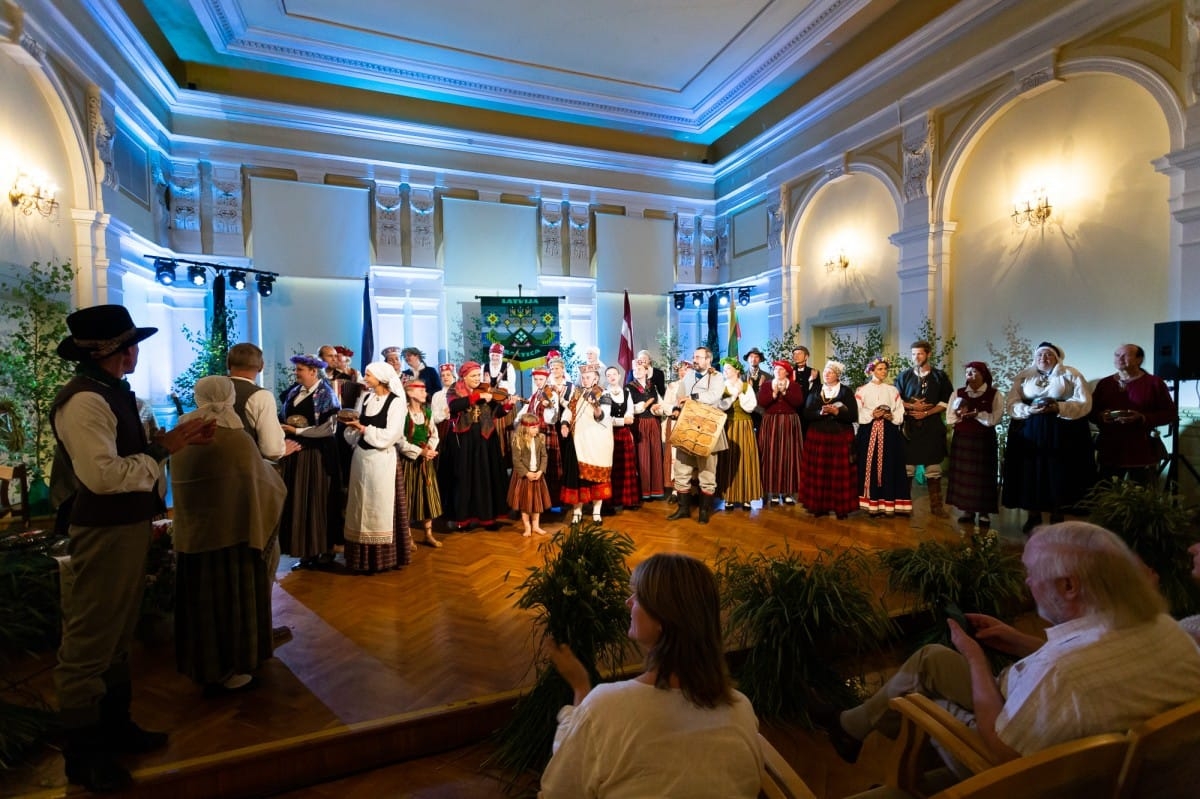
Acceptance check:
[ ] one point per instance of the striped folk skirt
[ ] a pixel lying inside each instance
(304, 529)
(882, 478)
(382, 557)
(554, 467)
(222, 613)
(738, 468)
(973, 463)
(780, 445)
(420, 483)
(528, 496)
(626, 487)
(827, 474)
(647, 437)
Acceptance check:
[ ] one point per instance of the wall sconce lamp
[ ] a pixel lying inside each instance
(31, 193)
(837, 263)
(1033, 212)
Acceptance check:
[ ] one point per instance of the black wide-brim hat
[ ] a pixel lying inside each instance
(99, 331)
(754, 351)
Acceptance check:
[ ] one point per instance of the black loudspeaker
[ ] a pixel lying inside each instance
(1177, 350)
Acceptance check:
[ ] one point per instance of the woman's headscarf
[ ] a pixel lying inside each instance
(838, 368)
(384, 373)
(1046, 345)
(982, 368)
(215, 396)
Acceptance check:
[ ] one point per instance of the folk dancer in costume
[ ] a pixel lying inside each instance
(926, 392)
(738, 468)
(591, 357)
(223, 591)
(527, 490)
(827, 475)
(975, 411)
(500, 373)
(312, 516)
(439, 414)
(418, 474)
(668, 409)
(477, 491)
(378, 536)
(346, 384)
(755, 375)
(704, 385)
(417, 368)
(781, 435)
(586, 427)
(881, 445)
(647, 433)
(1049, 464)
(654, 375)
(626, 487)
(112, 477)
(544, 406)
(1126, 409)
(391, 356)
(560, 389)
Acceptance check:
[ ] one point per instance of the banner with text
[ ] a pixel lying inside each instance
(527, 327)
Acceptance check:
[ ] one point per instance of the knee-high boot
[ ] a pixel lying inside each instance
(935, 496)
(684, 511)
(706, 503)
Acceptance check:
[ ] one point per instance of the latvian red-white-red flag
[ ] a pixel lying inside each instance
(625, 355)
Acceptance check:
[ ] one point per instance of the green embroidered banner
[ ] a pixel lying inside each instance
(526, 326)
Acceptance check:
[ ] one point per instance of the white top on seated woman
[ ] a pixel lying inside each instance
(678, 730)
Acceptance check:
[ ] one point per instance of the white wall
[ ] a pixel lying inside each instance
(1096, 274)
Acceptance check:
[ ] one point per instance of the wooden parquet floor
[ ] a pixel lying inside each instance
(439, 631)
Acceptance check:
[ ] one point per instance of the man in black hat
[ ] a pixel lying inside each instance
(114, 476)
(756, 376)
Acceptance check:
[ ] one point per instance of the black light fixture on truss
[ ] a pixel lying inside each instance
(697, 299)
(164, 271)
(237, 279)
(266, 283)
(723, 298)
(679, 300)
(743, 295)
(197, 276)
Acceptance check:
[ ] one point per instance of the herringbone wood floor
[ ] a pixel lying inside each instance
(441, 630)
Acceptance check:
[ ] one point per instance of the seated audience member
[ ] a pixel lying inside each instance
(223, 605)
(1192, 623)
(678, 730)
(1126, 407)
(1112, 657)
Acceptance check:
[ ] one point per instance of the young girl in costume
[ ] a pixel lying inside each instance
(527, 490)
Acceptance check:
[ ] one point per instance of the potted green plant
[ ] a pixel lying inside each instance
(801, 620)
(1159, 528)
(33, 315)
(578, 597)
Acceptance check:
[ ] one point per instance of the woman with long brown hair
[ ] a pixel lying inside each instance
(679, 729)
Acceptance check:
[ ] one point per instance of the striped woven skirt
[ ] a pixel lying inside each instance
(647, 437)
(739, 477)
(420, 483)
(528, 496)
(882, 478)
(780, 446)
(972, 477)
(554, 467)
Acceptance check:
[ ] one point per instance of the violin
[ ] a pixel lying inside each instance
(500, 393)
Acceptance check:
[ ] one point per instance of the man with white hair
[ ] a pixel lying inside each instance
(1109, 632)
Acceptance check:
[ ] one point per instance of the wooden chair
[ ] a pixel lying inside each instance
(779, 780)
(20, 510)
(1089, 768)
(1164, 759)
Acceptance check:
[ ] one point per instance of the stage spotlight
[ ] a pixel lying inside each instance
(197, 276)
(723, 299)
(266, 284)
(697, 299)
(744, 295)
(237, 279)
(678, 298)
(164, 271)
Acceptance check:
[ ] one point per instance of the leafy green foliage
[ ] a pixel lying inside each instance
(781, 348)
(34, 317)
(796, 616)
(668, 350)
(1159, 528)
(210, 349)
(1005, 360)
(977, 573)
(855, 355)
(20, 728)
(578, 597)
(30, 615)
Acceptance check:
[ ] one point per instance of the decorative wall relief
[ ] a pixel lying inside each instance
(708, 244)
(184, 195)
(918, 158)
(100, 135)
(685, 241)
(421, 203)
(387, 215)
(774, 226)
(160, 198)
(578, 222)
(551, 230)
(227, 200)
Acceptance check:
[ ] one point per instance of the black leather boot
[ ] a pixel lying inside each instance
(706, 504)
(122, 732)
(684, 511)
(90, 761)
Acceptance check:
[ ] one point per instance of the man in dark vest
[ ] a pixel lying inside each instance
(926, 392)
(116, 476)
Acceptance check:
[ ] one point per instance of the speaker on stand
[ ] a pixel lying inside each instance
(1176, 359)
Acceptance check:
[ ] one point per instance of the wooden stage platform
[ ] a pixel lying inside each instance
(435, 636)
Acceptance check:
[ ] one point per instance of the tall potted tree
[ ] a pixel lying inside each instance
(33, 312)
